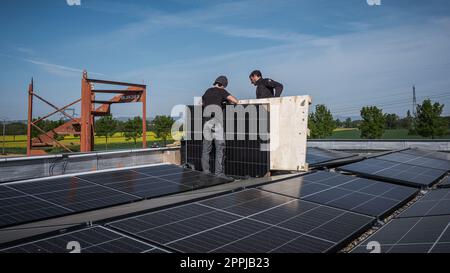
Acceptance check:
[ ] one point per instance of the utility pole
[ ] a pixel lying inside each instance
(4, 132)
(414, 101)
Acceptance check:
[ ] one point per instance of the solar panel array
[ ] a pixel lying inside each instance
(360, 195)
(318, 156)
(244, 157)
(252, 221)
(436, 202)
(427, 153)
(317, 212)
(417, 160)
(401, 173)
(424, 227)
(32, 201)
(410, 235)
(95, 239)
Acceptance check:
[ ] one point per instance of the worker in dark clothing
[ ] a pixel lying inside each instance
(265, 88)
(213, 128)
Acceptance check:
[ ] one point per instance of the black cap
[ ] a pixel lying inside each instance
(255, 73)
(222, 80)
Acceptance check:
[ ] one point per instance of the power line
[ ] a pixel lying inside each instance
(390, 106)
(385, 105)
(387, 101)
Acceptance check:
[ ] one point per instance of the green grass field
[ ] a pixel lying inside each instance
(18, 145)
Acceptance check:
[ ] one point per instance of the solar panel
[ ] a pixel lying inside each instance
(417, 160)
(316, 156)
(154, 181)
(406, 174)
(75, 194)
(47, 198)
(427, 153)
(411, 235)
(248, 221)
(445, 183)
(18, 207)
(435, 202)
(360, 195)
(244, 157)
(90, 240)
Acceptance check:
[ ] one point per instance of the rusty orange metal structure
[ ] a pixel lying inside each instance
(83, 126)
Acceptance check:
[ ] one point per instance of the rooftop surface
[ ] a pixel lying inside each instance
(346, 203)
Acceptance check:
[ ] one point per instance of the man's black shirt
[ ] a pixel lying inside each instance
(215, 96)
(267, 88)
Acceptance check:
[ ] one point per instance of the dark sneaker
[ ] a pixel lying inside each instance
(226, 178)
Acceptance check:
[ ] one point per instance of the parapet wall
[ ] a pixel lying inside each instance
(21, 168)
(381, 145)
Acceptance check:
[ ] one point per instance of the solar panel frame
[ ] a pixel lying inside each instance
(75, 194)
(428, 153)
(95, 239)
(172, 222)
(393, 172)
(56, 197)
(317, 156)
(243, 157)
(415, 160)
(445, 183)
(370, 197)
(434, 203)
(166, 179)
(19, 208)
(411, 235)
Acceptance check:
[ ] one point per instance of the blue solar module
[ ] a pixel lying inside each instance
(395, 172)
(435, 202)
(317, 156)
(75, 194)
(89, 240)
(251, 221)
(410, 235)
(31, 201)
(427, 153)
(18, 207)
(417, 160)
(360, 195)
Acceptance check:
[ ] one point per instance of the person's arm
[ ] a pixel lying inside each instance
(275, 85)
(232, 99)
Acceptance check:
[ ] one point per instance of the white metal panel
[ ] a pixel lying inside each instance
(288, 131)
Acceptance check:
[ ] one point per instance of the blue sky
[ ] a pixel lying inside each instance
(345, 53)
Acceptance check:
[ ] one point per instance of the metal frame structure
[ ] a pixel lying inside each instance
(84, 126)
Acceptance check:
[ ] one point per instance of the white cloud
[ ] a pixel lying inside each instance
(344, 71)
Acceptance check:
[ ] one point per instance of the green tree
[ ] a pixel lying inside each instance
(321, 122)
(392, 121)
(348, 123)
(339, 123)
(106, 127)
(406, 122)
(428, 121)
(46, 125)
(162, 126)
(133, 129)
(373, 123)
(15, 129)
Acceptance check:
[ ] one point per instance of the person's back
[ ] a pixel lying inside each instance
(215, 96)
